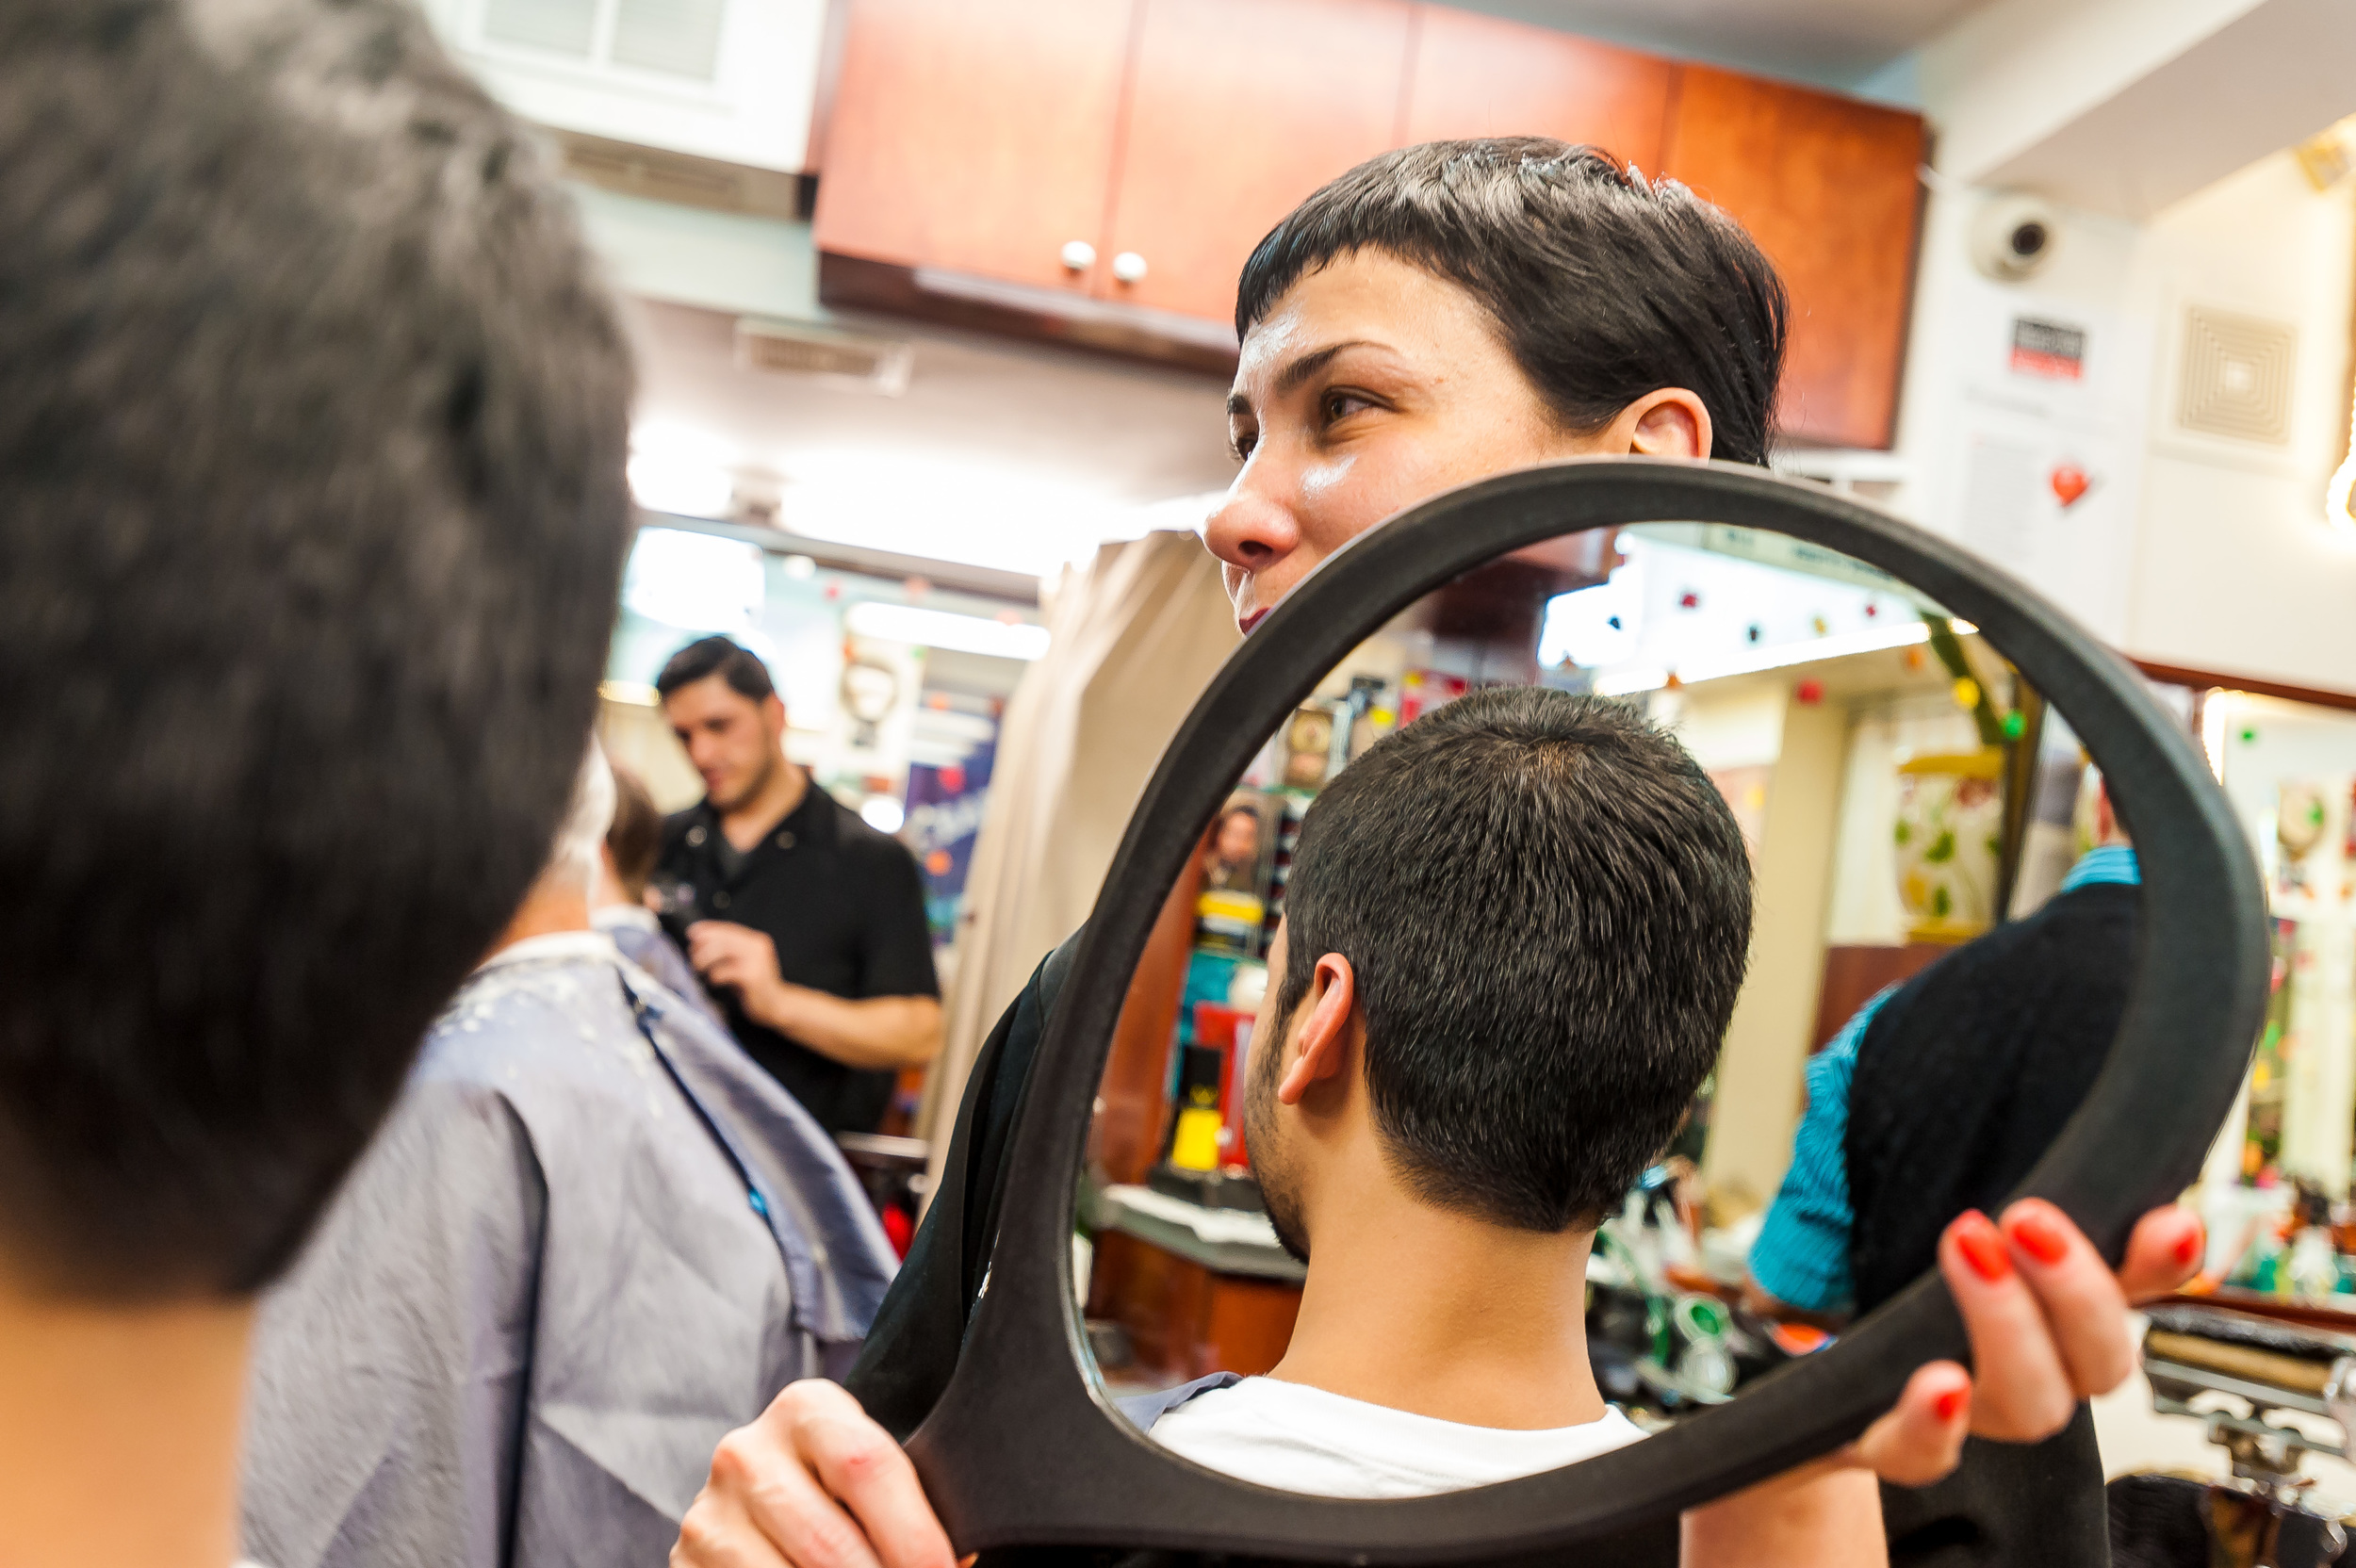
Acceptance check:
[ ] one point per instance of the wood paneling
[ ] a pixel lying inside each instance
(1136, 1068)
(1184, 1321)
(975, 137)
(1238, 109)
(1480, 75)
(1828, 187)
(1854, 973)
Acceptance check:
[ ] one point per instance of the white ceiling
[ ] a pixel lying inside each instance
(1835, 43)
(999, 453)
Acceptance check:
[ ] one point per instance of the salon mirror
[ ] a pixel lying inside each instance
(1900, 731)
(1900, 788)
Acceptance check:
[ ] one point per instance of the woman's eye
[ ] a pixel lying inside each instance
(1240, 443)
(1341, 405)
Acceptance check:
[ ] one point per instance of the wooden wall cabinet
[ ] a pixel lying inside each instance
(1100, 170)
(1238, 109)
(1829, 186)
(1480, 75)
(978, 137)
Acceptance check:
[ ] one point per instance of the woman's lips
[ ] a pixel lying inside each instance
(1245, 622)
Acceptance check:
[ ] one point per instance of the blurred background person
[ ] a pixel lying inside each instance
(311, 434)
(807, 922)
(618, 904)
(1937, 1097)
(591, 1238)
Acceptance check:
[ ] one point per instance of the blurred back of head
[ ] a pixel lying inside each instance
(312, 426)
(636, 836)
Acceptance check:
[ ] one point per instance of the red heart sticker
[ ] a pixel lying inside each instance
(2069, 481)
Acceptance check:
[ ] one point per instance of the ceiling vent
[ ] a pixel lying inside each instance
(679, 177)
(821, 353)
(2237, 376)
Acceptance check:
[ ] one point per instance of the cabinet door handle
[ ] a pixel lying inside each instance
(1078, 255)
(1129, 267)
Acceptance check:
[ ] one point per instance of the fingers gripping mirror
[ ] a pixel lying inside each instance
(1026, 1447)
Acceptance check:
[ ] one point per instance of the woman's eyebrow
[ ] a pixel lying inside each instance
(1299, 370)
(1309, 364)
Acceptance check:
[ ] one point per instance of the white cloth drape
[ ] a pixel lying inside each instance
(1137, 634)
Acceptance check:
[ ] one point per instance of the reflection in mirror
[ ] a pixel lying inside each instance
(1519, 1158)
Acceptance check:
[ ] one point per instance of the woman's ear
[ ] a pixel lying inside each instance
(1671, 422)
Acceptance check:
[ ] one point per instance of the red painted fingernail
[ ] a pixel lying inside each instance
(1982, 1246)
(1948, 1403)
(2189, 1245)
(2038, 1235)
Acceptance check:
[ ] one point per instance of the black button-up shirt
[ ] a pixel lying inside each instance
(845, 908)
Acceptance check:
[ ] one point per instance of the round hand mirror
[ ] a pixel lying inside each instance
(1024, 1448)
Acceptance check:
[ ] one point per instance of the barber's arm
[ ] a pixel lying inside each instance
(816, 1485)
(871, 1031)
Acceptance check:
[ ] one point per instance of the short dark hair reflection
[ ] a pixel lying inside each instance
(1546, 906)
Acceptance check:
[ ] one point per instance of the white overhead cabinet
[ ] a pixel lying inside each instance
(732, 80)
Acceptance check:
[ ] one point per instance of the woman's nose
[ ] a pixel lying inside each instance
(1249, 530)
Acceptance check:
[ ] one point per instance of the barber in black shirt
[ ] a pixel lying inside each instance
(808, 925)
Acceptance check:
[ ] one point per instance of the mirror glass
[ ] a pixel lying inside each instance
(1906, 808)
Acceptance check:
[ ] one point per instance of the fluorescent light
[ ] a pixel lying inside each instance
(2336, 496)
(1843, 646)
(679, 469)
(942, 628)
(882, 813)
(695, 581)
(1629, 681)
(2213, 721)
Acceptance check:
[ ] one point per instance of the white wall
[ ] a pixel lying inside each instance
(2235, 568)
(2192, 551)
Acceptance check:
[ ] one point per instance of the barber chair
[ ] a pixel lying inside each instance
(1024, 1454)
(2237, 1373)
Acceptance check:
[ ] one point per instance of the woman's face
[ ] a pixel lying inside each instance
(1374, 384)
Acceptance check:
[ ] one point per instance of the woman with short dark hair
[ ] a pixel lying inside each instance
(1434, 317)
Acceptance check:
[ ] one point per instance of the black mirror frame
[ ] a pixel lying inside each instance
(1022, 1449)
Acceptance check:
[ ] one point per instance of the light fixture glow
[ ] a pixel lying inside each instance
(1842, 646)
(2214, 715)
(942, 628)
(882, 813)
(1629, 681)
(2337, 494)
(678, 469)
(695, 581)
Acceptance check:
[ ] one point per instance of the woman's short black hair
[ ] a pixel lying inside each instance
(1604, 286)
(733, 662)
(1548, 909)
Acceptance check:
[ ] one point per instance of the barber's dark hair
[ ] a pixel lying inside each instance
(312, 428)
(747, 676)
(1604, 286)
(634, 838)
(1546, 906)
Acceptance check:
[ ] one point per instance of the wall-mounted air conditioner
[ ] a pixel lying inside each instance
(731, 80)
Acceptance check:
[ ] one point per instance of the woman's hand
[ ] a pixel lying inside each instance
(2048, 1321)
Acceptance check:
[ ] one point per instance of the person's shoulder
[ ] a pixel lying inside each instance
(858, 840)
(509, 1014)
(676, 824)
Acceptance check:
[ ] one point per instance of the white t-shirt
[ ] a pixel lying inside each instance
(1300, 1439)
